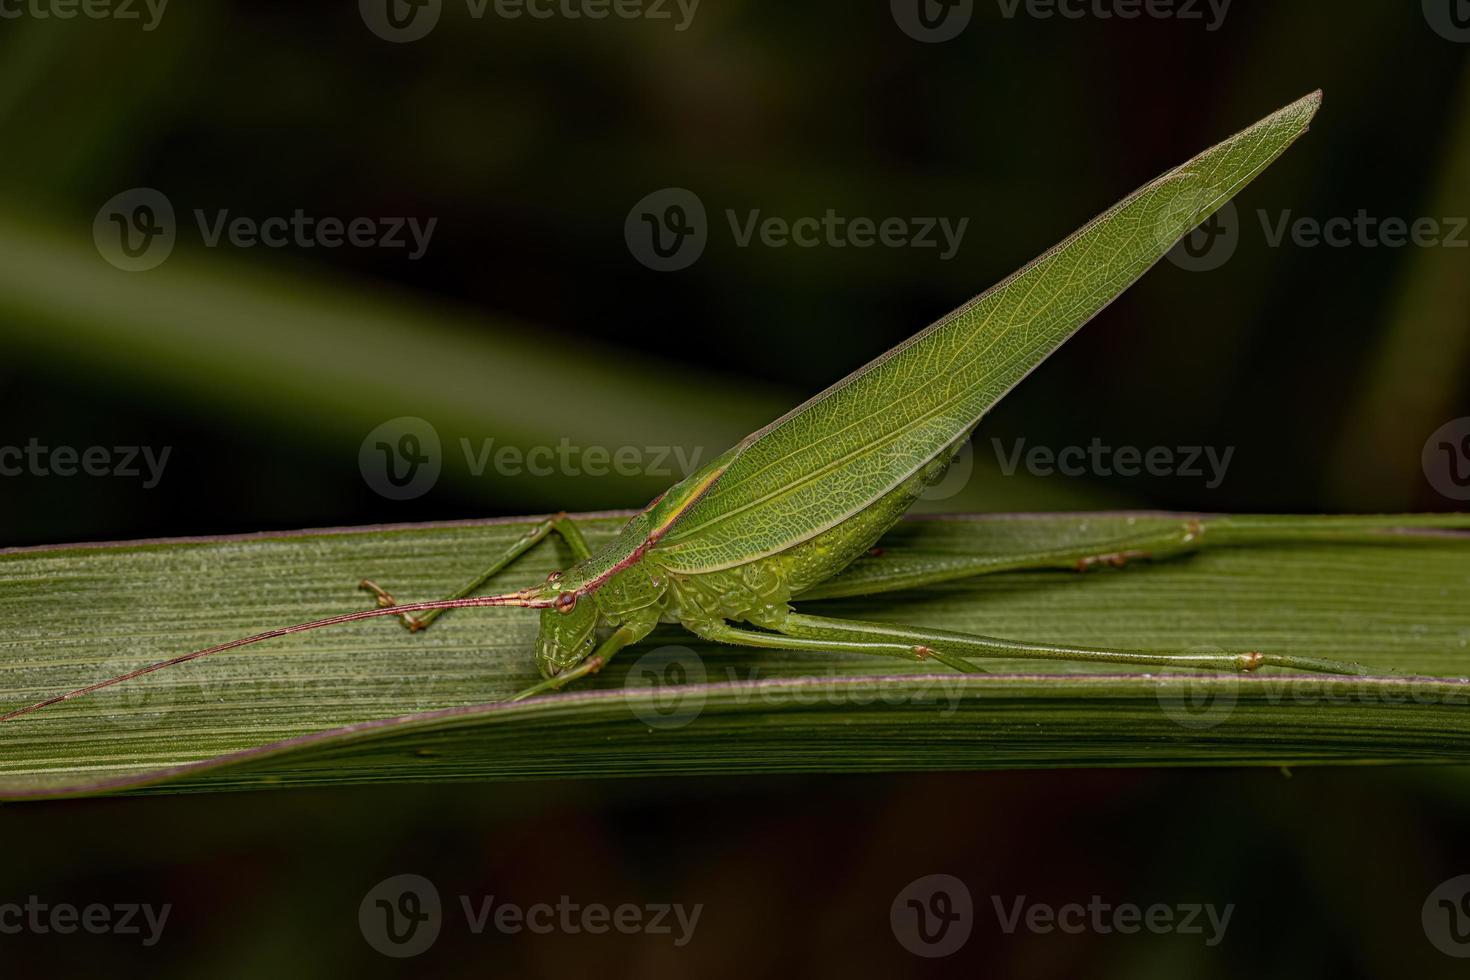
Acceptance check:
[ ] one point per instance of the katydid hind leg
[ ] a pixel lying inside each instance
(561, 524)
(728, 633)
(968, 645)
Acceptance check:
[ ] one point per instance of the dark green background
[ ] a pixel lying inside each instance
(1325, 368)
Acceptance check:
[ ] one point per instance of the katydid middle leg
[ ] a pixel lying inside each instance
(1169, 540)
(560, 523)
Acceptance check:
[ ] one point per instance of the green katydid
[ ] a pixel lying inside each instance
(725, 551)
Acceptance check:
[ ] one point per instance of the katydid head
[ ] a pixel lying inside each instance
(568, 625)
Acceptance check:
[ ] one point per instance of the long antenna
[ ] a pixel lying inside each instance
(528, 598)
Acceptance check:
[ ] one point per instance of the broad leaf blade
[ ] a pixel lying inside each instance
(371, 703)
(838, 452)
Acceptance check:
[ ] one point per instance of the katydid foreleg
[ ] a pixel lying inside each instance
(605, 651)
(561, 524)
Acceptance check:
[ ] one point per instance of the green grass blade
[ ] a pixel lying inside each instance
(370, 703)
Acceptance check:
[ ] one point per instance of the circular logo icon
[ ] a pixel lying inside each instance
(1446, 917)
(144, 701)
(665, 687)
(667, 230)
(1446, 459)
(1199, 701)
(932, 916)
(1449, 18)
(401, 458)
(135, 230)
(401, 916)
(932, 21)
(956, 477)
(400, 21)
(1211, 243)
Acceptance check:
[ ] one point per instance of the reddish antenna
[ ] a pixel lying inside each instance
(528, 598)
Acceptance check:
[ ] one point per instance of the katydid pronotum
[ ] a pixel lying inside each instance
(725, 551)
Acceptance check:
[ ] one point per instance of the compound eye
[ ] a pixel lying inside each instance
(553, 577)
(565, 602)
